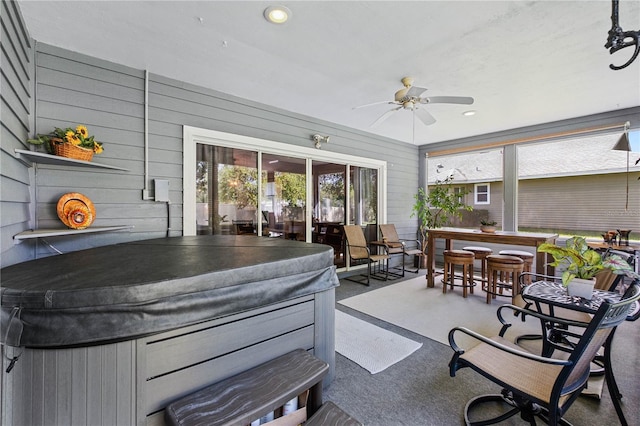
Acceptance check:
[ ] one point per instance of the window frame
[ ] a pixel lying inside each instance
(476, 193)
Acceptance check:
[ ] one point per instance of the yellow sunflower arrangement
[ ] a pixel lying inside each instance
(78, 137)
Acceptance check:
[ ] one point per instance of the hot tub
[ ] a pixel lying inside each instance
(113, 334)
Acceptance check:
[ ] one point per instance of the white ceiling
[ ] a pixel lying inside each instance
(524, 62)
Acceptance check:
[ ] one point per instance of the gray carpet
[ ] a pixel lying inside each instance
(419, 391)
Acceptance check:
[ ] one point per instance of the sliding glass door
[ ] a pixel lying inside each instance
(246, 186)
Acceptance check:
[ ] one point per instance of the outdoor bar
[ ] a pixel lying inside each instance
(118, 332)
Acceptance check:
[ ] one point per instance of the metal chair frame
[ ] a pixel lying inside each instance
(569, 375)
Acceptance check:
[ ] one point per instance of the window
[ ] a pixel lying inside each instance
(481, 193)
(476, 174)
(459, 192)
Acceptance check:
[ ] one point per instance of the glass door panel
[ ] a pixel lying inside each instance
(363, 200)
(227, 190)
(284, 197)
(329, 201)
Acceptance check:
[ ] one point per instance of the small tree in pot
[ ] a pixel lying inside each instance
(437, 207)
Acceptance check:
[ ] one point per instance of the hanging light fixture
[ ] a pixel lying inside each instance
(619, 39)
(623, 144)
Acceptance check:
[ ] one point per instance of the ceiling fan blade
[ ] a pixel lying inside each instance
(465, 100)
(385, 116)
(375, 103)
(415, 92)
(424, 116)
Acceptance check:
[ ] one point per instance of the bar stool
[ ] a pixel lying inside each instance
(509, 268)
(526, 257)
(461, 258)
(480, 253)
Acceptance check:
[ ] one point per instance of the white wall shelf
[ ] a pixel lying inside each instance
(39, 233)
(41, 157)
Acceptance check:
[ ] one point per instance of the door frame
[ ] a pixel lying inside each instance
(195, 135)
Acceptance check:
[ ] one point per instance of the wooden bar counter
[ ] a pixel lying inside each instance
(499, 237)
(112, 335)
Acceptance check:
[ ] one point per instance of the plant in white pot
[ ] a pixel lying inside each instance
(583, 264)
(488, 226)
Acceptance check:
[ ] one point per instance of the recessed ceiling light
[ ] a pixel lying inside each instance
(277, 14)
(468, 113)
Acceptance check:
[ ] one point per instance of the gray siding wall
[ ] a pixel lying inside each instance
(15, 94)
(108, 98)
(580, 203)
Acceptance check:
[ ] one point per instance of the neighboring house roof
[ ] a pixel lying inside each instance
(577, 156)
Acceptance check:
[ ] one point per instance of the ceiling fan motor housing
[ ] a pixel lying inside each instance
(401, 95)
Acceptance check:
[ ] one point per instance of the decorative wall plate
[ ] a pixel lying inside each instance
(75, 210)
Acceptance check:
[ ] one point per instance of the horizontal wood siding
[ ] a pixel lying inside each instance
(109, 99)
(16, 86)
(74, 89)
(174, 104)
(581, 203)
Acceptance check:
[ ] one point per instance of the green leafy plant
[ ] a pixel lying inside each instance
(582, 262)
(436, 208)
(488, 222)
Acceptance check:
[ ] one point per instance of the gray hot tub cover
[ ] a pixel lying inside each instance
(125, 291)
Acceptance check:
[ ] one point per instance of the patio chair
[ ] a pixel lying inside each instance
(359, 252)
(398, 246)
(536, 386)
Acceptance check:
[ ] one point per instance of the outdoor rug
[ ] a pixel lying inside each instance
(372, 347)
(430, 313)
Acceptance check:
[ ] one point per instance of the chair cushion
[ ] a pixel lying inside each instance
(478, 249)
(521, 373)
(516, 253)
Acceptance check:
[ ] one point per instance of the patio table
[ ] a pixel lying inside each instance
(555, 294)
(500, 237)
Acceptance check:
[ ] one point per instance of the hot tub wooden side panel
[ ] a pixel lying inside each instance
(130, 382)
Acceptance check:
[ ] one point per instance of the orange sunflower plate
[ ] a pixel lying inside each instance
(75, 210)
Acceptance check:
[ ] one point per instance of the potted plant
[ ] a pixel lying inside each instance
(488, 226)
(436, 208)
(73, 143)
(582, 263)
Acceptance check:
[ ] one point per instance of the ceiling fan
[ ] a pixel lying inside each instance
(409, 98)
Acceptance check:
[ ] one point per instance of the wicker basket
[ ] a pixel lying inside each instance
(66, 149)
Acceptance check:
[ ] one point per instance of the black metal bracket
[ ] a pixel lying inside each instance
(619, 39)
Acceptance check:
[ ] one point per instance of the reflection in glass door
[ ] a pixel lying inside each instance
(284, 197)
(363, 200)
(329, 201)
(226, 190)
